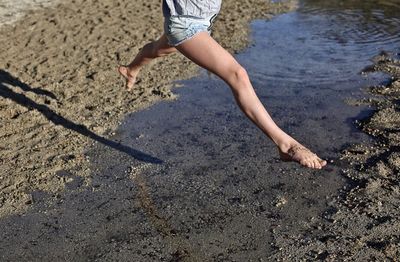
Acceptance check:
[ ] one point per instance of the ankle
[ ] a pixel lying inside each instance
(286, 144)
(132, 70)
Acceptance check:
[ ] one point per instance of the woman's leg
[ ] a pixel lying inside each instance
(150, 51)
(207, 53)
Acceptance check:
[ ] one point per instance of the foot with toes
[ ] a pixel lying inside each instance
(129, 75)
(298, 153)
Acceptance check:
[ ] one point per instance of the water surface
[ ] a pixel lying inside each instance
(221, 194)
(221, 181)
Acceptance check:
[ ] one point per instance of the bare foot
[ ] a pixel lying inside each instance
(298, 153)
(129, 75)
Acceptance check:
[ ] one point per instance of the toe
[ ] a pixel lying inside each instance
(317, 164)
(122, 70)
(129, 85)
(314, 164)
(322, 162)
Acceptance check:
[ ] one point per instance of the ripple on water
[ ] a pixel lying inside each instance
(366, 22)
(326, 42)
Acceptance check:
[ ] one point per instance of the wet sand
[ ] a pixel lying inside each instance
(58, 75)
(65, 95)
(363, 224)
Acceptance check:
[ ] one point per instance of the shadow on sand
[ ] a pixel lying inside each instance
(6, 92)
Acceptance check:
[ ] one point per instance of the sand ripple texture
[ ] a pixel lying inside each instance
(60, 91)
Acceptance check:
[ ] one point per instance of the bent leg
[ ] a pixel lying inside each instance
(150, 51)
(207, 53)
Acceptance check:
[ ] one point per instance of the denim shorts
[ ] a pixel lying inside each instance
(179, 28)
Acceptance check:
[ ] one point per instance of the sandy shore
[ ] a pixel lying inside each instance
(62, 93)
(12, 11)
(363, 222)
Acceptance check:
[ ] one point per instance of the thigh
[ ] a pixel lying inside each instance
(207, 53)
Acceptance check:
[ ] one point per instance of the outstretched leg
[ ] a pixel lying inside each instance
(207, 53)
(150, 51)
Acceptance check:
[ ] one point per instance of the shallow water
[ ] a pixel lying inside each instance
(326, 44)
(220, 181)
(220, 192)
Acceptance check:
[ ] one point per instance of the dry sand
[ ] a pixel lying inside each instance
(60, 90)
(11, 11)
(60, 93)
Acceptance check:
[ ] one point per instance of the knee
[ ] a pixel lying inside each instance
(151, 49)
(164, 51)
(239, 77)
(241, 74)
(157, 50)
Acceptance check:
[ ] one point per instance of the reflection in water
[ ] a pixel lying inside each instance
(325, 43)
(359, 21)
(389, 7)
